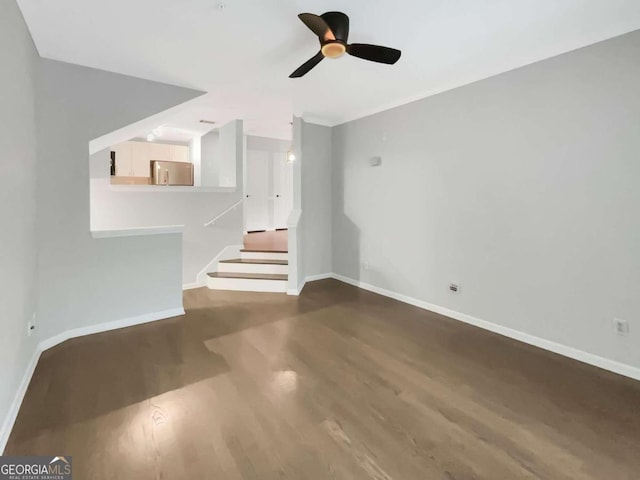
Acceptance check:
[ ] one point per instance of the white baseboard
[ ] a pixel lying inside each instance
(322, 276)
(12, 414)
(296, 291)
(570, 352)
(104, 327)
(311, 278)
(191, 286)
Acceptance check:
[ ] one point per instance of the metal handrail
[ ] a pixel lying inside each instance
(223, 213)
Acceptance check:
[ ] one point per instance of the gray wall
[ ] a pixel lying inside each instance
(209, 157)
(18, 253)
(218, 152)
(522, 187)
(267, 144)
(84, 281)
(316, 199)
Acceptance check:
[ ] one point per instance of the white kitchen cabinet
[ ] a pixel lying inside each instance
(179, 153)
(123, 159)
(159, 151)
(133, 159)
(140, 159)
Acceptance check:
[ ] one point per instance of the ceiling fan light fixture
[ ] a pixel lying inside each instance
(333, 49)
(332, 30)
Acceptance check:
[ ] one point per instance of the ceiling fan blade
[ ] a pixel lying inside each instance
(374, 53)
(339, 24)
(317, 25)
(307, 66)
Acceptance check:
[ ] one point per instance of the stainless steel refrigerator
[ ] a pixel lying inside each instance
(171, 173)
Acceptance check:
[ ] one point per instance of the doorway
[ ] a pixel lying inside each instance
(269, 190)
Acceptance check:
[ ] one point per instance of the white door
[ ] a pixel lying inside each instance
(257, 192)
(282, 189)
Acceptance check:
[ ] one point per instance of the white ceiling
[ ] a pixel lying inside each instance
(242, 54)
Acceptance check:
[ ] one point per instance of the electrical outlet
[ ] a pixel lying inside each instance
(31, 326)
(621, 327)
(454, 287)
(365, 265)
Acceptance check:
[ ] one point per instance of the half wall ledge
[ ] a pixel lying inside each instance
(136, 232)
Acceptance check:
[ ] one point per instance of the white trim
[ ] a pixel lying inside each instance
(321, 276)
(310, 278)
(293, 222)
(138, 231)
(315, 120)
(12, 414)
(298, 290)
(191, 286)
(107, 326)
(247, 284)
(570, 352)
(294, 219)
(266, 255)
(264, 268)
(56, 340)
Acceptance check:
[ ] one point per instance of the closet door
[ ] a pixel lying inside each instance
(282, 189)
(257, 192)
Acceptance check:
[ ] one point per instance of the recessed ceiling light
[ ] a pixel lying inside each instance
(150, 137)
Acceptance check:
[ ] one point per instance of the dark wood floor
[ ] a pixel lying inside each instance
(337, 384)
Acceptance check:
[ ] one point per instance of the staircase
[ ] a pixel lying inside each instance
(254, 271)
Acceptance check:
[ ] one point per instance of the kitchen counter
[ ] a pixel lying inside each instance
(170, 188)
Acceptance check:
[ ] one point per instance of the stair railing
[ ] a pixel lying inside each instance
(223, 213)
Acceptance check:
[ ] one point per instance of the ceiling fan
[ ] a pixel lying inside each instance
(332, 29)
